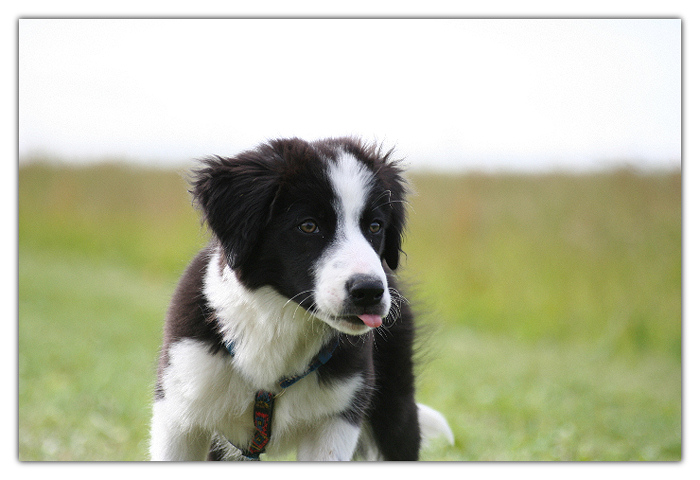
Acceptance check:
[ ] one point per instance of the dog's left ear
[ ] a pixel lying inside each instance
(235, 195)
(390, 174)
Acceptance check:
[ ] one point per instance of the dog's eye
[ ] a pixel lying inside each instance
(375, 227)
(309, 227)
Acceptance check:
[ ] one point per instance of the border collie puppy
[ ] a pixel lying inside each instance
(288, 332)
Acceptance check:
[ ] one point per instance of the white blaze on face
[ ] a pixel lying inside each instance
(350, 254)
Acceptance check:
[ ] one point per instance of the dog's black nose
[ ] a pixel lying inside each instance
(365, 291)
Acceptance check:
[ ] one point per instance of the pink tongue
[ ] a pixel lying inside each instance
(372, 321)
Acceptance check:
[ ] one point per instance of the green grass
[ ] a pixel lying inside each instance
(552, 326)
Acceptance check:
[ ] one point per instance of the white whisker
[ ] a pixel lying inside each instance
(297, 295)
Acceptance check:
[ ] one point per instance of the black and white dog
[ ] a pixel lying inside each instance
(287, 332)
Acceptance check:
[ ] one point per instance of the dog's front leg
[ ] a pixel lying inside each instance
(173, 442)
(334, 439)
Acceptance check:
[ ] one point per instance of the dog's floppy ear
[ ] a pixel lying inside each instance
(236, 196)
(390, 174)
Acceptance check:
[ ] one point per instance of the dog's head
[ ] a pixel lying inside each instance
(315, 221)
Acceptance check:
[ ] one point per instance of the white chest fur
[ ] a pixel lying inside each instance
(206, 394)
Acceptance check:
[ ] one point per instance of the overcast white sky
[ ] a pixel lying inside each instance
(490, 94)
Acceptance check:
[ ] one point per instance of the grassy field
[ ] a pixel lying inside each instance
(552, 327)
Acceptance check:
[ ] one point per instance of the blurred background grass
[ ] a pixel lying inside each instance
(552, 309)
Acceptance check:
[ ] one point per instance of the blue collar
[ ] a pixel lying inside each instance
(321, 359)
(264, 401)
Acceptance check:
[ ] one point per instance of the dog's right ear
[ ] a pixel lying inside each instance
(236, 196)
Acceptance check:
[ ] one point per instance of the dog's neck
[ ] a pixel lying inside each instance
(274, 337)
